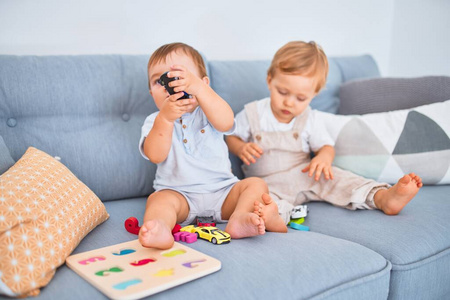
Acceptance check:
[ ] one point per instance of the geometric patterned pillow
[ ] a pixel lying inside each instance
(385, 146)
(45, 211)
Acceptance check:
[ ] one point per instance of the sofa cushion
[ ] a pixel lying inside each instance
(297, 265)
(86, 109)
(45, 211)
(364, 96)
(6, 160)
(385, 146)
(416, 242)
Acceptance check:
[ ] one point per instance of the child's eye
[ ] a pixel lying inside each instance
(281, 92)
(157, 82)
(301, 99)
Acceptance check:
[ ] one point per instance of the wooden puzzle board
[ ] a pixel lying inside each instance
(130, 271)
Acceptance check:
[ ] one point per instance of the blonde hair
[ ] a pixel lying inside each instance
(301, 58)
(165, 50)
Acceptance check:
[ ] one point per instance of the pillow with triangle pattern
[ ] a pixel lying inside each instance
(385, 146)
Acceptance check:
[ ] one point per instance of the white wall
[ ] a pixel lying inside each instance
(421, 38)
(231, 29)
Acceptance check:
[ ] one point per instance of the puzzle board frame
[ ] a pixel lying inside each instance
(144, 272)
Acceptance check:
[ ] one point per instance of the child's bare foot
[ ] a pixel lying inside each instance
(269, 213)
(392, 201)
(156, 234)
(245, 224)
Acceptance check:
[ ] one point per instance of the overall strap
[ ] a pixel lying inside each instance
(301, 120)
(251, 110)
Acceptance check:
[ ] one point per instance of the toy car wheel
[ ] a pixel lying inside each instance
(214, 241)
(198, 235)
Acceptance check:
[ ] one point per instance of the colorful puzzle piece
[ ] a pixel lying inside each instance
(173, 253)
(124, 252)
(91, 260)
(142, 262)
(193, 264)
(186, 237)
(107, 272)
(125, 284)
(164, 273)
(132, 225)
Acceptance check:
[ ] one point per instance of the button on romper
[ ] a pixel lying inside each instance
(281, 167)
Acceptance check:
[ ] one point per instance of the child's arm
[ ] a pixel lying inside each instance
(159, 140)
(217, 110)
(321, 163)
(247, 152)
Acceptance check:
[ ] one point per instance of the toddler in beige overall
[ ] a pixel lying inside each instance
(274, 138)
(282, 164)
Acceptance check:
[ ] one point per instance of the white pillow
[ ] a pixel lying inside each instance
(385, 146)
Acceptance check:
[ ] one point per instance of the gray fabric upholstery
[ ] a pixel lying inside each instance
(6, 160)
(416, 242)
(386, 94)
(299, 265)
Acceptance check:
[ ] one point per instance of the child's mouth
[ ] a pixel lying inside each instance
(285, 112)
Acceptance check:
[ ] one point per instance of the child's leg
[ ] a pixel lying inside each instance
(164, 209)
(391, 201)
(241, 208)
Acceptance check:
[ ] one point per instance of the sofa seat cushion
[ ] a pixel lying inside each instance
(416, 242)
(296, 265)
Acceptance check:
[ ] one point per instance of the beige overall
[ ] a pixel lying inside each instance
(281, 167)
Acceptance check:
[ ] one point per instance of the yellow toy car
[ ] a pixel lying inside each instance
(209, 233)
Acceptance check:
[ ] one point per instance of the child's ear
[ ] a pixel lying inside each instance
(151, 94)
(269, 79)
(206, 80)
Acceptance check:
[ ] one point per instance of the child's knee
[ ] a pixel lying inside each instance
(256, 182)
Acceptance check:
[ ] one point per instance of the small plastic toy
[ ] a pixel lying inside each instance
(299, 211)
(206, 221)
(298, 215)
(298, 226)
(186, 237)
(211, 234)
(132, 225)
(164, 81)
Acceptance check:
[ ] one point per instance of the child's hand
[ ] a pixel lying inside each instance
(248, 152)
(187, 81)
(319, 166)
(172, 108)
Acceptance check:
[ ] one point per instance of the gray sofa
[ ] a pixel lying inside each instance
(88, 110)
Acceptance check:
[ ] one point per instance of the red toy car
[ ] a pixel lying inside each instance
(206, 221)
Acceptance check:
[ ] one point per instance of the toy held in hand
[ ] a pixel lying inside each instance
(164, 81)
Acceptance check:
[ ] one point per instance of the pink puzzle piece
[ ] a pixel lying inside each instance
(186, 237)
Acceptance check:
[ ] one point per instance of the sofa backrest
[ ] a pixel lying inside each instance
(89, 109)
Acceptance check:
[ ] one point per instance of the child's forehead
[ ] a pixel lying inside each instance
(298, 82)
(174, 57)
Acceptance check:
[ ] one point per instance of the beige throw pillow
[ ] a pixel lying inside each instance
(45, 211)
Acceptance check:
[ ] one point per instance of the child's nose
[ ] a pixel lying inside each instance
(288, 101)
